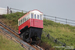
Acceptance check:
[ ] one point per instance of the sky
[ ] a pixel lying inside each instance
(58, 8)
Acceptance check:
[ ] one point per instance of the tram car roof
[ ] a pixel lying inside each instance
(35, 11)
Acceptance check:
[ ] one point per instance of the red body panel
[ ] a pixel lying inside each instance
(32, 23)
(37, 23)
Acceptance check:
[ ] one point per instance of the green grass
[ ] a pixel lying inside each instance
(63, 32)
(7, 44)
(12, 19)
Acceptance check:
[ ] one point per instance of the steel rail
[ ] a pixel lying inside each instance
(14, 34)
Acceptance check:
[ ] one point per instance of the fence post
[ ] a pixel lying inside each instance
(10, 11)
(48, 36)
(55, 19)
(7, 10)
(66, 21)
(22, 11)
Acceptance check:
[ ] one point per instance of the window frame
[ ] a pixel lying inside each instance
(38, 16)
(21, 21)
(31, 15)
(35, 17)
(24, 19)
(41, 17)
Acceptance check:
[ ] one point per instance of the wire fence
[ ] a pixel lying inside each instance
(48, 17)
(13, 10)
(60, 20)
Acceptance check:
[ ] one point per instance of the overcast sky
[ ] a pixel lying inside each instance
(59, 8)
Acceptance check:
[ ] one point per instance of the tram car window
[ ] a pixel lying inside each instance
(40, 17)
(37, 16)
(21, 21)
(32, 15)
(24, 19)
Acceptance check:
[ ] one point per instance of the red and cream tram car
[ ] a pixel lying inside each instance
(30, 26)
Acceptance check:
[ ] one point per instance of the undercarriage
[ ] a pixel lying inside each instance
(32, 35)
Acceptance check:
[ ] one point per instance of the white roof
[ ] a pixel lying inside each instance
(36, 12)
(33, 11)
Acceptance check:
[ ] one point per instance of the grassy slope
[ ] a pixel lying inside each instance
(7, 44)
(12, 19)
(64, 33)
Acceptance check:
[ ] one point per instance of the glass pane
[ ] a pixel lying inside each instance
(21, 21)
(31, 15)
(25, 19)
(37, 16)
(40, 17)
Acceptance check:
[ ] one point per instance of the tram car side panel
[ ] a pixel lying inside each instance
(32, 23)
(27, 23)
(36, 23)
(23, 21)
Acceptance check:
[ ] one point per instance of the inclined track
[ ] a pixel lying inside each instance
(21, 41)
(12, 33)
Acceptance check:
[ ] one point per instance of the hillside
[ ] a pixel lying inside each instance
(64, 33)
(8, 44)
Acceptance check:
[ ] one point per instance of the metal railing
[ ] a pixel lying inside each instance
(14, 10)
(60, 20)
(48, 17)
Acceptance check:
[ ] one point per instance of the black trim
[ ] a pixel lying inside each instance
(24, 29)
